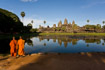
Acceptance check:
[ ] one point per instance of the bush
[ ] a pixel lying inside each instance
(103, 27)
(9, 22)
(58, 29)
(33, 30)
(63, 28)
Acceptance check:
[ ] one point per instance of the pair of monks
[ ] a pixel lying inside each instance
(17, 46)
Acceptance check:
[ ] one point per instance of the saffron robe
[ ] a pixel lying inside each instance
(13, 47)
(21, 43)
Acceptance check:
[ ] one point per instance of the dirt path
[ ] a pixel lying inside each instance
(80, 61)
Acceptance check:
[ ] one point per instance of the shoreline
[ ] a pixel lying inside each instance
(82, 34)
(2, 36)
(55, 61)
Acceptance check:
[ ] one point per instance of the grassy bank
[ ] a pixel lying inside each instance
(84, 34)
(2, 36)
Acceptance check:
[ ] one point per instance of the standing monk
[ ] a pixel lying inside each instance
(13, 47)
(21, 43)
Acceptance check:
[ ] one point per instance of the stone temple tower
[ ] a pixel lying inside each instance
(60, 24)
(54, 26)
(65, 22)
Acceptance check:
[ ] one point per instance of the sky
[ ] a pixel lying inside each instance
(55, 10)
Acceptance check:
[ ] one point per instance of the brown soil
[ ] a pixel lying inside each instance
(54, 61)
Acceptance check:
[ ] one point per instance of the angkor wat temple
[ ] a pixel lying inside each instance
(66, 27)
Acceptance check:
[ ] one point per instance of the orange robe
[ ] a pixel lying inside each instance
(21, 46)
(13, 47)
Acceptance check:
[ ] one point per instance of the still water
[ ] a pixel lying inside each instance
(59, 44)
(65, 44)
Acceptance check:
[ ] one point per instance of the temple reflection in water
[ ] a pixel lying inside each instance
(73, 39)
(65, 44)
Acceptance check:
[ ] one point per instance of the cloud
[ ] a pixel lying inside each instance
(29, 0)
(93, 4)
(37, 22)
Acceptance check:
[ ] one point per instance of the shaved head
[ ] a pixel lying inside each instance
(20, 37)
(13, 38)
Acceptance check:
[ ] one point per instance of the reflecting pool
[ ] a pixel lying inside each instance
(64, 44)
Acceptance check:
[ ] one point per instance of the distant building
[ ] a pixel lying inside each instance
(66, 27)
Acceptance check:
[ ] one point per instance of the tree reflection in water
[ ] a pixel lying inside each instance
(104, 40)
(48, 39)
(103, 44)
(44, 44)
(74, 41)
(98, 41)
(29, 42)
(40, 38)
(87, 45)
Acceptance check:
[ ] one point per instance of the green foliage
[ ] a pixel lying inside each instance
(88, 21)
(58, 28)
(63, 28)
(75, 26)
(9, 22)
(32, 21)
(98, 26)
(44, 22)
(29, 25)
(33, 30)
(103, 22)
(90, 26)
(23, 14)
(103, 27)
(54, 29)
(82, 34)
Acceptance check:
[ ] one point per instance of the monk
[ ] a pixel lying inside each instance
(13, 47)
(21, 43)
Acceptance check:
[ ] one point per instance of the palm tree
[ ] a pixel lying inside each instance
(32, 22)
(88, 21)
(44, 22)
(103, 22)
(23, 15)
